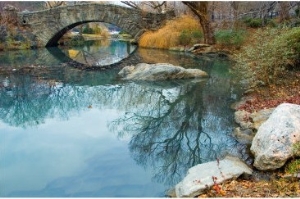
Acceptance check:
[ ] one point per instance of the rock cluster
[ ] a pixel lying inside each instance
(249, 124)
(272, 134)
(277, 131)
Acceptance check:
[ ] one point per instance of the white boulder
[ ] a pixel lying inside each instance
(200, 177)
(273, 143)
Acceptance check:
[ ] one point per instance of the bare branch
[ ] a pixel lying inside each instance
(53, 4)
(131, 4)
(147, 5)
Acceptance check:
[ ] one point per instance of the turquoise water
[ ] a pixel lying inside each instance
(72, 133)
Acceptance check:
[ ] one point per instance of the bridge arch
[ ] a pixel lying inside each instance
(50, 25)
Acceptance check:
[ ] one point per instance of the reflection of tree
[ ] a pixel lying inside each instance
(174, 137)
(15, 96)
(28, 99)
(170, 132)
(172, 125)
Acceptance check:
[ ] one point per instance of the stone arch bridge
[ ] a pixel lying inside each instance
(50, 25)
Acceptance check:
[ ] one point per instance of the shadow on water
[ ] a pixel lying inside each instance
(170, 125)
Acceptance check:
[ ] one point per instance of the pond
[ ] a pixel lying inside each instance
(67, 132)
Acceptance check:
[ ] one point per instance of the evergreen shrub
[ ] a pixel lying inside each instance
(197, 35)
(252, 22)
(271, 23)
(184, 38)
(272, 51)
(255, 23)
(230, 38)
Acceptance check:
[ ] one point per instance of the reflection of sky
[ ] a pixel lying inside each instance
(78, 157)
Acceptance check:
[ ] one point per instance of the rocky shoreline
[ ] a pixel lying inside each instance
(271, 133)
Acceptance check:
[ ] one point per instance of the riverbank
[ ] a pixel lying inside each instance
(276, 183)
(251, 188)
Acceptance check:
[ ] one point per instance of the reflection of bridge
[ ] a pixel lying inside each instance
(50, 25)
(133, 59)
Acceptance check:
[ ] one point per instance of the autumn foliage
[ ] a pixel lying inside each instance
(171, 34)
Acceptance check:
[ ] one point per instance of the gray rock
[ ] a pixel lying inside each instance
(244, 136)
(198, 46)
(272, 145)
(243, 119)
(249, 124)
(161, 71)
(200, 177)
(243, 100)
(260, 117)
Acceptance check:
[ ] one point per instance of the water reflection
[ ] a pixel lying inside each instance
(93, 53)
(177, 126)
(100, 52)
(166, 126)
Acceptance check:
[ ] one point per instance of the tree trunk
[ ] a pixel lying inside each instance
(200, 9)
(284, 11)
(235, 7)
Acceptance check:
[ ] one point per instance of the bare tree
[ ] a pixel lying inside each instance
(53, 4)
(132, 4)
(156, 6)
(160, 7)
(200, 9)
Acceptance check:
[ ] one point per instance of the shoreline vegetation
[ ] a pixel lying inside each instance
(268, 61)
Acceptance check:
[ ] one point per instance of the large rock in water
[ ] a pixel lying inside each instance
(273, 143)
(160, 71)
(200, 177)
